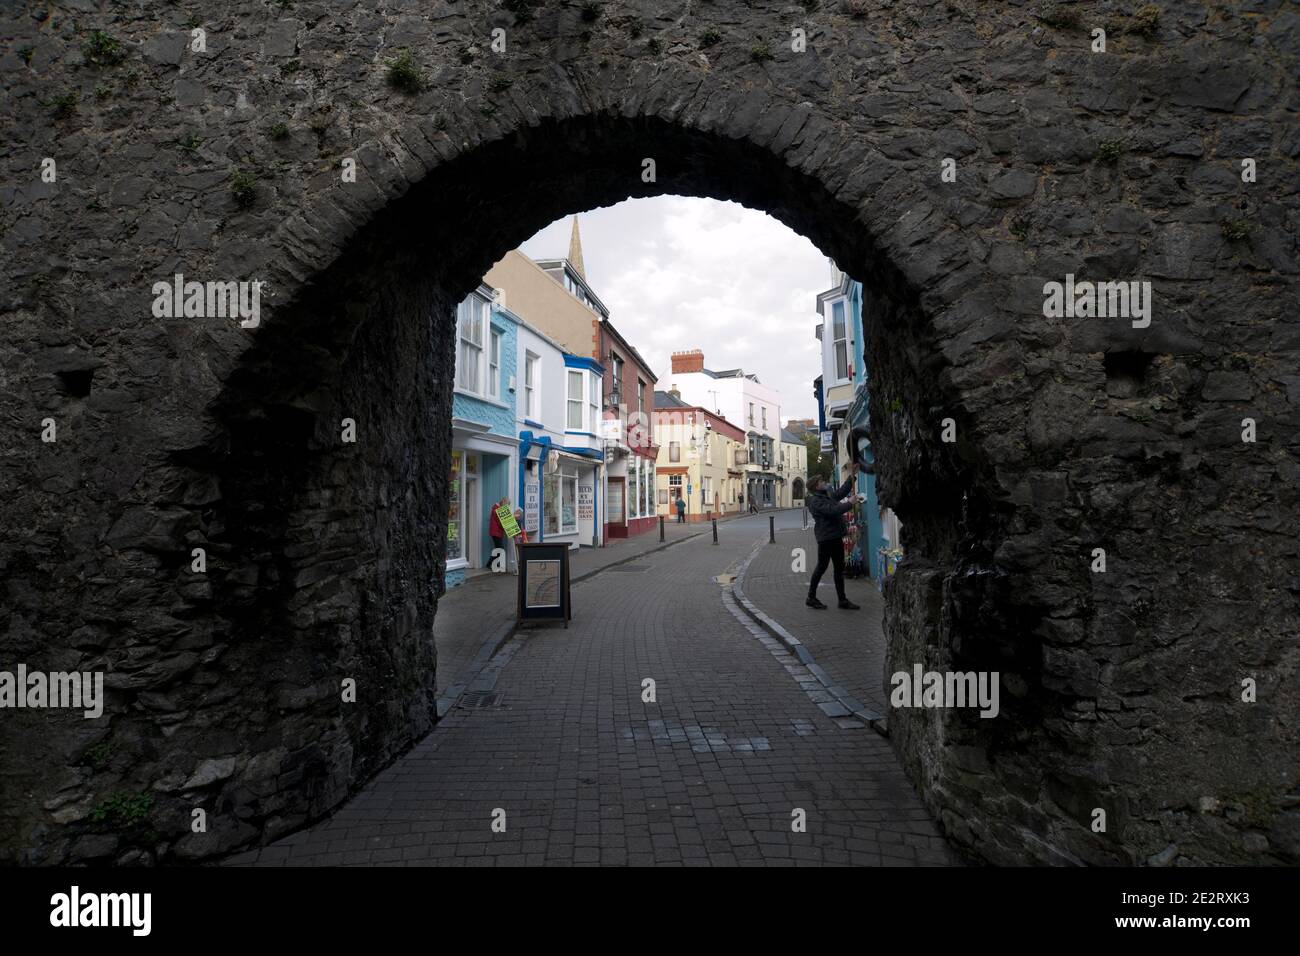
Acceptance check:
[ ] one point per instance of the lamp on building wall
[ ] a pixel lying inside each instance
(859, 449)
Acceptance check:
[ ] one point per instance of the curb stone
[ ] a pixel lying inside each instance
(842, 698)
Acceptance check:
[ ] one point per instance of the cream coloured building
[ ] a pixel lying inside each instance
(791, 470)
(701, 456)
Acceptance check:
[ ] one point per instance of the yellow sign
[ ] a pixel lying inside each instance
(507, 519)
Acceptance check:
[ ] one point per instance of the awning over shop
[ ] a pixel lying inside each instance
(586, 456)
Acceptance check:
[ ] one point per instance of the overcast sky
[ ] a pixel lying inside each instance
(679, 273)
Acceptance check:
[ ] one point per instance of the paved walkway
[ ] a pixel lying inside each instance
(849, 645)
(715, 771)
(474, 617)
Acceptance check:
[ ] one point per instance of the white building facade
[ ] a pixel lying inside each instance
(743, 400)
(561, 458)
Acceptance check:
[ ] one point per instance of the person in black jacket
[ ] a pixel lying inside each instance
(828, 510)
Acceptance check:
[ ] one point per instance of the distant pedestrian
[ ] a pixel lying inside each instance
(828, 508)
(681, 508)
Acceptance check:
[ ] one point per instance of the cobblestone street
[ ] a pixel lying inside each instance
(714, 772)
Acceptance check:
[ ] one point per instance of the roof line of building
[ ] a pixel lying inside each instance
(631, 348)
(543, 263)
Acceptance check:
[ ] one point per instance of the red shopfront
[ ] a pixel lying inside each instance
(629, 496)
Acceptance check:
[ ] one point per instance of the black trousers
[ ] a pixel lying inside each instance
(829, 552)
(497, 542)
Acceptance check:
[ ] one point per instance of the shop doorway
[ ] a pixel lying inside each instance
(617, 519)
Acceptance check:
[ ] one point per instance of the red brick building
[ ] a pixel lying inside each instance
(630, 451)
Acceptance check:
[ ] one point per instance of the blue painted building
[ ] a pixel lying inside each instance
(484, 456)
(843, 391)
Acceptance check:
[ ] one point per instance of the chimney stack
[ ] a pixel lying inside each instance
(675, 392)
(684, 362)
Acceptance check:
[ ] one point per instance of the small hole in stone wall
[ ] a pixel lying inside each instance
(77, 383)
(1126, 373)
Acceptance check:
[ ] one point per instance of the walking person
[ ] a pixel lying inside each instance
(681, 508)
(828, 508)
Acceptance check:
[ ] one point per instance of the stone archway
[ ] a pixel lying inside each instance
(1119, 689)
(796, 489)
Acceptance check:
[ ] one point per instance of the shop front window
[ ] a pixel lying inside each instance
(560, 501)
(455, 507)
(569, 501)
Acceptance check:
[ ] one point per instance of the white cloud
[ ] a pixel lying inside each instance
(681, 273)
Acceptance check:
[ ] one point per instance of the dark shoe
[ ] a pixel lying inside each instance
(848, 605)
(813, 602)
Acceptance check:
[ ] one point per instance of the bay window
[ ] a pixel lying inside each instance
(840, 341)
(574, 420)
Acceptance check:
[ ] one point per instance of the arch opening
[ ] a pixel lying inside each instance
(348, 536)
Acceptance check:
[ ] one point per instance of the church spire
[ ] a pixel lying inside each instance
(575, 251)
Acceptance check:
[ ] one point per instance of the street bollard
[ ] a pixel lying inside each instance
(771, 529)
(805, 518)
(715, 530)
(661, 527)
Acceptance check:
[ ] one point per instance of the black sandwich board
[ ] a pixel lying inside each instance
(544, 582)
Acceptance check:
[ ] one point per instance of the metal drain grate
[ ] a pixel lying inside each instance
(480, 698)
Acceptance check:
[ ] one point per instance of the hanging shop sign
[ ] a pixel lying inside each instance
(532, 506)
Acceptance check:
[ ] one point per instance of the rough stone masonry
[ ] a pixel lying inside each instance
(210, 139)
